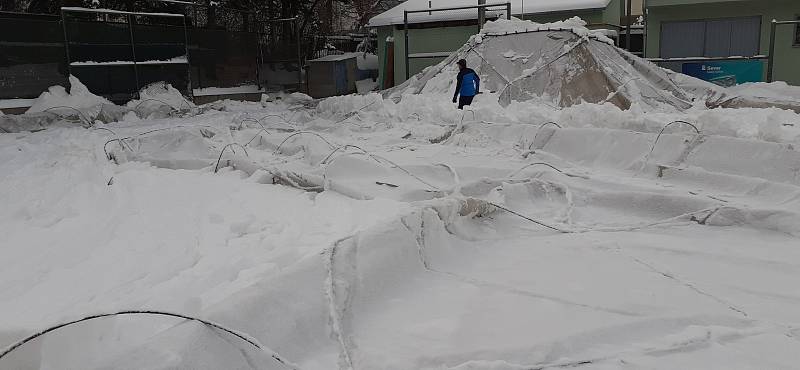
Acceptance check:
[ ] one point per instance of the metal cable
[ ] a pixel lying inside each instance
(216, 168)
(653, 147)
(214, 325)
(540, 129)
(81, 116)
(300, 133)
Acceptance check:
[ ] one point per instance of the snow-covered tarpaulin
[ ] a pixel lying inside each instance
(563, 64)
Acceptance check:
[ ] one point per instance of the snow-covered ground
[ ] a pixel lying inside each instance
(364, 232)
(680, 256)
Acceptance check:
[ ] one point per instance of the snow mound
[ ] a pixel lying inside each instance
(159, 97)
(79, 97)
(773, 90)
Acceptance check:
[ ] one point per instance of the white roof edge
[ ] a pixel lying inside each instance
(394, 15)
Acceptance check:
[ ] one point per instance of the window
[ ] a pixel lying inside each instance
(723, 37)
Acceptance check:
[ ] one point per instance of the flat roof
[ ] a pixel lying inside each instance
(395, 15)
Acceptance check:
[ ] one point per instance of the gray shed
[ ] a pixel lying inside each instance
(332, 75)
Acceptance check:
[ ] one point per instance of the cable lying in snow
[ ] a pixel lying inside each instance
(231, 145)
(548, 165)
(278, 149)
(87, 122)
(653, 147)
(251, 341)
(122, 141)
(535, 136)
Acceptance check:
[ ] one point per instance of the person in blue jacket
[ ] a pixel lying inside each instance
(468, 85)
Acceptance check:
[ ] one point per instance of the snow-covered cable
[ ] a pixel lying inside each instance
(278, 149)
(335, 319)
(257, 135)
(548, 165)
(123, 143)
(81, 116)
(538, 222)
(105, 129)
(653, 147)
(231, 145)
(344, 147)
(353, 113)
(251, 341)
(136, 108)
(379, 159)
(540, 129)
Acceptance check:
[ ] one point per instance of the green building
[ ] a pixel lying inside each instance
(433, 36)
(725, 28)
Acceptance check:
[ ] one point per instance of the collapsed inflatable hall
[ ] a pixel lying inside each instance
(564, 63)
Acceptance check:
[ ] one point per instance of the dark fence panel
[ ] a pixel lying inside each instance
(31, 55)
(221, 58)
(232, 49)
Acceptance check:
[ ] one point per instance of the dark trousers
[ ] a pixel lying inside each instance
(464, 100)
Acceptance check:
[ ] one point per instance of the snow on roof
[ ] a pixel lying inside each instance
(334, 58)
(395, 15)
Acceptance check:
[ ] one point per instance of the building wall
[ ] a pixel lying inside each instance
(427, 40)
(787, 56)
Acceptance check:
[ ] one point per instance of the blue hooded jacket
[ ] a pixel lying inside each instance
(468, 83)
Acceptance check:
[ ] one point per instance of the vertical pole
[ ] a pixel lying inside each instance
(405, 35)
(621, 22)
(259, 56)
(771, 57)
(481, 14)
(508, 11)
(133, 54)
(188, 63)
(66, 43)
(299, 56)
(628, 23)
(644, 30)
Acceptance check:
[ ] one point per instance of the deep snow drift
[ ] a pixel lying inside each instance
(364, 233)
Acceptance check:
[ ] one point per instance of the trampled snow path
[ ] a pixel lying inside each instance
(683, 255)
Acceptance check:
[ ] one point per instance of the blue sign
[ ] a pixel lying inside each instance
(726, 72)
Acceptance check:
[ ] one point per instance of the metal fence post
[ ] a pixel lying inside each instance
(133, 54)
(66, 43)
(259, 57)
(771, 60)
(628, 24)
(481, 14)
(299, 55)
(189, 86)
(405, 35)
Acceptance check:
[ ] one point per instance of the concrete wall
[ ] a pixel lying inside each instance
(787, 56)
